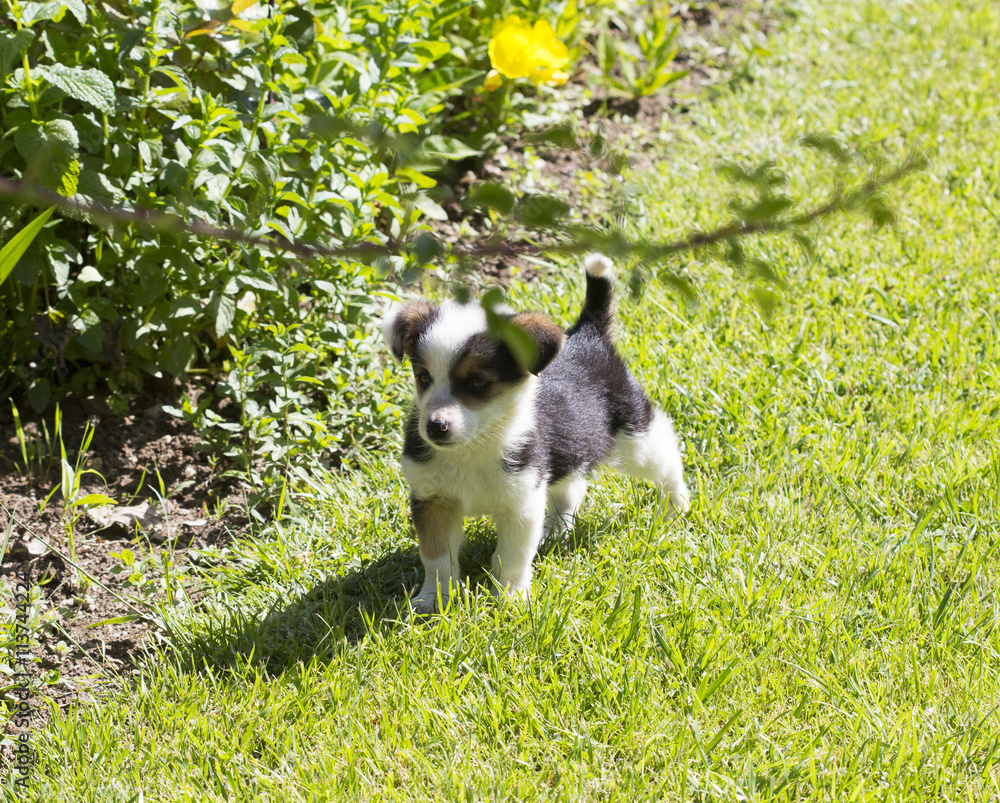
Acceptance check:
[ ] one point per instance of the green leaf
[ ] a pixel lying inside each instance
(258, 280)
(427, 247)
(93, 499)
(117, 620)
(767, 300)
(351, 60)
(491, 195)
(681, 285)
(176, 355)
(605, 53)
(78, 9)
(90, 86)
(50, 150)
(447, 148)
(764, 175)
(430, 207)
(427, 51)
(880, 212)
(829, 145)
(562, 135)
(12, 47)
(39, 394)
(175, 74)
(765, 209)
(89, 275)
(416, 177)
(18, 244)
(445, 79)
(300, 26)
(805, 243)
(664, 78)
(628, 70)
(541, 211)
(31, 138)
(40, 12)
(127, 42)
(28, 268)
(224, 316)
(521, 344)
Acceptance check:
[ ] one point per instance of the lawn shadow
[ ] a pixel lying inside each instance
(322, 622)
(338, 613)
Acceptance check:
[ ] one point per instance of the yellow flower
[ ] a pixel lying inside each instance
(558, 78)
(520, 50)
(493, 81)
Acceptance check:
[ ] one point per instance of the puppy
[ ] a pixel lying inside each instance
(487, 435)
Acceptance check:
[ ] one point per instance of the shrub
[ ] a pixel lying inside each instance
(230, 117)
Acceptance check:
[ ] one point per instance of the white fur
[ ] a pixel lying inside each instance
(519, 531)
(455, 324)
(655, 456)
(501, 423)
(565, 498)
(472, 473)
(474, 477)
(598, 265)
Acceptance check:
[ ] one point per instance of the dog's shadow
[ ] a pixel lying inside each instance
(340, 612)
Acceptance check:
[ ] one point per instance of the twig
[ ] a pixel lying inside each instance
(24, 193)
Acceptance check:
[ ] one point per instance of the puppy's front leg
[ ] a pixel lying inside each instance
(518, 534)
(438, 522)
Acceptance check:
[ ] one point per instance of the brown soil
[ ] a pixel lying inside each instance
(139, 458)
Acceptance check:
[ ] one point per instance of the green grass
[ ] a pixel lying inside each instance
(822, 626)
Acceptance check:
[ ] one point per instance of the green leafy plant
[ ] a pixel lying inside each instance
(644, 57)
(14, 249)
(324, 122)
(37, 451)
(70, 486)
(155, 107)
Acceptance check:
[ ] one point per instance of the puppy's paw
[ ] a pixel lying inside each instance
(433, 599)
(422, 606)
(680, 501)
(673, 504)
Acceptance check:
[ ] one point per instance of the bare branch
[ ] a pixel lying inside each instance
(22, 193)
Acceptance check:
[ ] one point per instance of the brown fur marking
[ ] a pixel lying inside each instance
(410, 323)
(547, 336)
(433, 520)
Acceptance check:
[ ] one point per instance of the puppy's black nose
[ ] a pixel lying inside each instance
(437, 430)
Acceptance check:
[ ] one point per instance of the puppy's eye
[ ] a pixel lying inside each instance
(424, 379)
(478, 383)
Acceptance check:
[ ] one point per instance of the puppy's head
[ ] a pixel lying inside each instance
(468, 382)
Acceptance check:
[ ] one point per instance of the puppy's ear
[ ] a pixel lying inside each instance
(402, 326)
(547, 336)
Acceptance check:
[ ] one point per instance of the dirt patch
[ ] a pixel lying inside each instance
(147, 460)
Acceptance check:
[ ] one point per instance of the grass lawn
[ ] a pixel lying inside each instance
(822, 625)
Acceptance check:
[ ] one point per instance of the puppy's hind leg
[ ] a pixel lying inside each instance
(440, 533)
(653, 454)
(565, 498)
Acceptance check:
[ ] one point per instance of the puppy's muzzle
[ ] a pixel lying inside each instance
(439, 430)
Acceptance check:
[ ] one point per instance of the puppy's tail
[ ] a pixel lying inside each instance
(597, 310)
